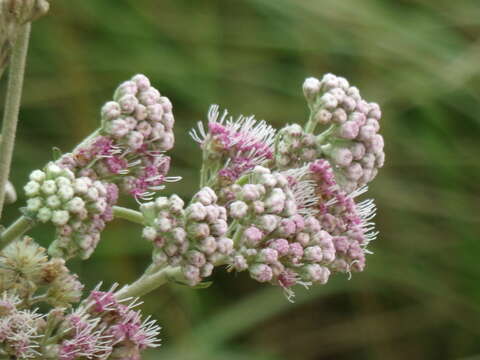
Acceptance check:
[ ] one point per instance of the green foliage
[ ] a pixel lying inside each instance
(419, 295)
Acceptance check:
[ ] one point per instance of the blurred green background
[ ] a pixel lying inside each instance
(419, 297)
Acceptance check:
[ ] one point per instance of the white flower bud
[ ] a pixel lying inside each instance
(342, 156)
(258, 207)
(66, 192)
(225, 245)
(323, 116)
(268, 223)
(268, 256)
(339, 116)
(144, 128)
(199, 230)
(60, 217)
(196, 258)
(44, 214)
(176, 203)
(311, 87)
(49, 187)
(192, 274)
(268, 180)
(135, 140)
(142, 82)
(53, 170)
(76, 205)
(206, 196)
(81, 185)
(179, 235)
(37, 175)
(155, 112)
(149, 233)
(111, 110)
(329, 101)
(219, 227)
(317, 273)
(34, 204)
(196, 212)
(53, 202)
(149, 96)
(32, 188)
(128, 103)
(240, 263)
(118, 128)
(163, 224)
(366, 133)
(207, 270)
(261, 272)
(276, 201)
(238, 209)
(313, 254)
(92, 193)
(208, 245)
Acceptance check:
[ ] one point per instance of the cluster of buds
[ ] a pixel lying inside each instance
(351, 141)
(232, 147)
(79, 207)
(19, 333)
(102, 327)
(193, 238)
(294, 147)
(137, 128)
(278, 205)
(26, 269)
(279, 240)
(348, 222)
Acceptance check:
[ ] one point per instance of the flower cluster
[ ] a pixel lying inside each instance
(351, 142)
(279, 240)
(18, 328)
(26, 268)
(137, 128)
(278, 205)
(294, 147)
(106, 328)
(348, 222)
(79, 207)
(232, 147)
(193, 238)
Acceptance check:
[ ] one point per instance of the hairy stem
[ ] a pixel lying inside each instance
(12, 107)
(14, 231)
(148, 283)
(128, 214)
(311, 124)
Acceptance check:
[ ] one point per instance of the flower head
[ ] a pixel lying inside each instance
(194, 238)
(137, 128)
(79, 207)
(233, 145)
(351, 141)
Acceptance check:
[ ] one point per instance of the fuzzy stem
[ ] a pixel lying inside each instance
(148, 283)
(12, 106)
(311, 124)
(128, 214)
(17, 229)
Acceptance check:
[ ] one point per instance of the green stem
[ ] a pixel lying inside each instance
(311, 124)
(87, 139)
(12, 106)
(14, 231)
(148, 283)
(128, 214)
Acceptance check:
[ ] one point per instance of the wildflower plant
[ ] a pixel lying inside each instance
(281, 205)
